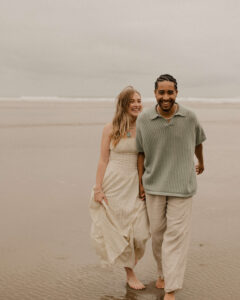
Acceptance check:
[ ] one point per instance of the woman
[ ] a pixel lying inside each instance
(120, 224)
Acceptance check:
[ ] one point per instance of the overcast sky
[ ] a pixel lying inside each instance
(96, 48)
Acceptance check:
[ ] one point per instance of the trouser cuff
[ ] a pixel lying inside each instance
(171, 290)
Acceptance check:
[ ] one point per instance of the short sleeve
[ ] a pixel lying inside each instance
(139, 138)
(200, 134)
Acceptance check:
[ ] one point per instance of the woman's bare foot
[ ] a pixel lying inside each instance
(132, 280)
(169, 296)
(160, 284)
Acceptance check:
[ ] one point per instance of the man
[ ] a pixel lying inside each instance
(168, 136)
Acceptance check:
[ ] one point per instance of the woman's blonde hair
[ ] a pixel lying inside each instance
(121, 121)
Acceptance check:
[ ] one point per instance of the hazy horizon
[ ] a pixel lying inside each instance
(95, 48)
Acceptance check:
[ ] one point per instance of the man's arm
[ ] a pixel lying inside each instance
(199, 155)
(140, 166)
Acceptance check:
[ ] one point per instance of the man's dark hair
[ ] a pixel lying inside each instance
(166, 77)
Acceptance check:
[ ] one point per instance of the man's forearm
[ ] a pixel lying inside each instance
(140, 166)
(199, 153)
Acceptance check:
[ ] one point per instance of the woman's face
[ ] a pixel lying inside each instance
(135, 105)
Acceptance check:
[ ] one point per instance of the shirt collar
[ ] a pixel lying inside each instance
(153, 113)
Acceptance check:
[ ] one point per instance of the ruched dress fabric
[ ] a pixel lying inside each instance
(120, 229)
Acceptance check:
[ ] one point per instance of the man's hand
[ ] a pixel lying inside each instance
(140, 167)
(199, 168)
(141, 192)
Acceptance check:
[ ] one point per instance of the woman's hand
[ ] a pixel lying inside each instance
(99, 196)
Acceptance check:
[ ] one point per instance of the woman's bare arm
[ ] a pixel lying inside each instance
(102, 163)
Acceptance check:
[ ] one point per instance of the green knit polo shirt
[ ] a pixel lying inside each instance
(169, 149)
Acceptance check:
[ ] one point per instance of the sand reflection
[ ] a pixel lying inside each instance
(149, 293)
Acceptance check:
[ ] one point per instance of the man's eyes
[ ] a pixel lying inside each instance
(163, 92)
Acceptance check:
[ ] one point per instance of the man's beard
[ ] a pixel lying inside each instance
(160, 103)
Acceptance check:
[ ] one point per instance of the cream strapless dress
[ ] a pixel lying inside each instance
(120, 229)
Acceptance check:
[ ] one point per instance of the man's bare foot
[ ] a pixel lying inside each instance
(132, 280)
(169, 296)
(160, 284)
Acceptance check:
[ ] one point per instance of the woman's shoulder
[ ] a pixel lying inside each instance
(107, 129)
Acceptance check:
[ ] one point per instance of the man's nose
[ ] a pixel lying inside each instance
(165, 97)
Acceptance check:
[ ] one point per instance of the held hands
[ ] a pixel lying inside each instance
(141, 192)
(99, 196)
(199, 168)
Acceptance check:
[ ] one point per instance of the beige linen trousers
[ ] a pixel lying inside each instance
(170, 222)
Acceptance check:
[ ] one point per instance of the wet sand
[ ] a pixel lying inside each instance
(48, 158)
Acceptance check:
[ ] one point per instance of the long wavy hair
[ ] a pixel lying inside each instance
(122, 120)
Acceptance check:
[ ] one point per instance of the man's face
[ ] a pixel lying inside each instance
(165, 95)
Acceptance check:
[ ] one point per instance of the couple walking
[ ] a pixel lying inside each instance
(146, 176)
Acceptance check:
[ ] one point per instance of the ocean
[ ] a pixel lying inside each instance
(112, 99)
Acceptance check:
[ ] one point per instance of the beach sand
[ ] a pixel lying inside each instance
(48, 158)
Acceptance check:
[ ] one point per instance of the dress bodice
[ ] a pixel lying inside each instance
(124, 154)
